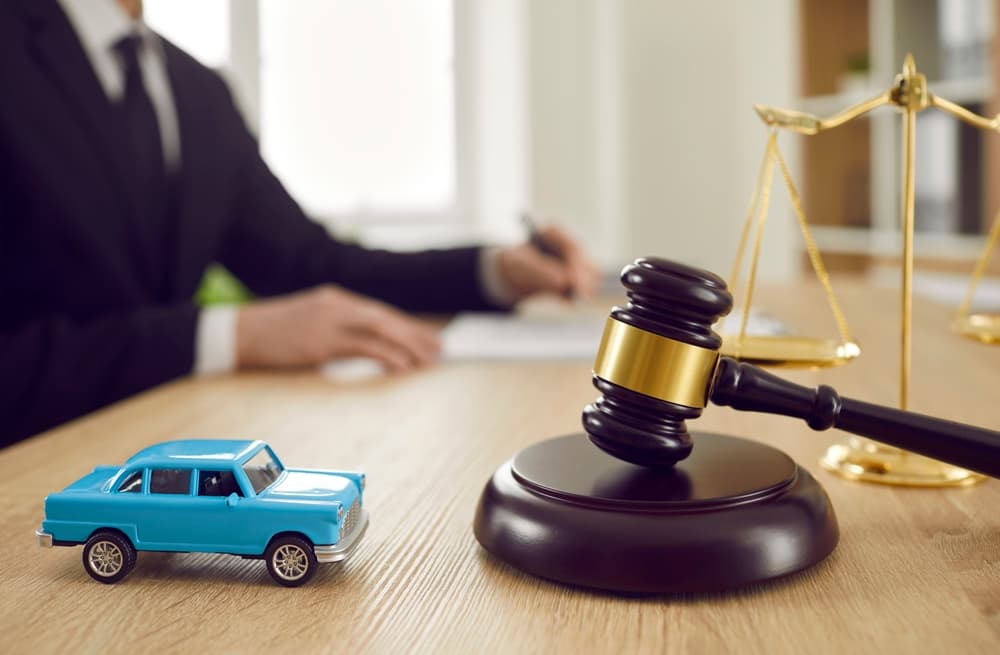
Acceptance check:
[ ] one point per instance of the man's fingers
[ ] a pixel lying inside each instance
(428, 335)
(395, 359)
(328, 323)
(364, 313)
(583, 274)
(546, 273)
(559, 240)
(416, 338)
(586, 276)
(367, 327)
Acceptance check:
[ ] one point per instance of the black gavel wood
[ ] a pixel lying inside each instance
(675, 306)
(748, 388)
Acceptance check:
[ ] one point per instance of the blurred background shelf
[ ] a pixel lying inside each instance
(852, 50)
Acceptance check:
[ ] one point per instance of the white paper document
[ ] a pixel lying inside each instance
(554, 338)
(503, 336)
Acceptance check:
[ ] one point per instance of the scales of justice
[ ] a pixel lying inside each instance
(637, 503)
(857, 458)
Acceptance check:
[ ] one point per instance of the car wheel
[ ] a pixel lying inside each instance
(290, 561)
(108, 556)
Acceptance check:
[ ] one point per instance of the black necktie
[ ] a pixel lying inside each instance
(145, 149)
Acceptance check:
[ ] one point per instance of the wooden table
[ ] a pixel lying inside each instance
(916, 570)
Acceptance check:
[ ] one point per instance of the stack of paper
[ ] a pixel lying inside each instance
(572, 337)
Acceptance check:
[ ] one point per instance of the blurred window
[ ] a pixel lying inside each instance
(200, 27)
(356, 99)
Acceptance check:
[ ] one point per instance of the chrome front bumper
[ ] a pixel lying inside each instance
(343, 549)
(43, 538)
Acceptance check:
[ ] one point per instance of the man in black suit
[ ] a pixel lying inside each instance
(125, 170)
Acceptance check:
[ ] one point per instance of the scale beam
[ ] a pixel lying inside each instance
(809, 124)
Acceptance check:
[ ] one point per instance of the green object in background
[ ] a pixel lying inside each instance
(220, 287)
(858, 63)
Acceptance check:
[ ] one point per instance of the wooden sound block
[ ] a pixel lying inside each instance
(734, 513)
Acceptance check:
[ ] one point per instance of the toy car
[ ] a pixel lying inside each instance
(211, 496)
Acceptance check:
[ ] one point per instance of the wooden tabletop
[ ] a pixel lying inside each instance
(917, 571)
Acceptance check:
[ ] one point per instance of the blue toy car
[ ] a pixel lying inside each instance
(211, 496)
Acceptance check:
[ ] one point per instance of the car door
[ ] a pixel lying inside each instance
(218, 518)
(164, 522)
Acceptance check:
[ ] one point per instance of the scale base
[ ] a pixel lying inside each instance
(867, 461)
(735, 513)
(981, 327)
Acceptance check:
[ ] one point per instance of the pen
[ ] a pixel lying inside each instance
(535, 237)
(539, 243)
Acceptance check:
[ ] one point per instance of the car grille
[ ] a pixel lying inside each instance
(351, 520)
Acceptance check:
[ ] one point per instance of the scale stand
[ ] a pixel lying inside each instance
(857, 458)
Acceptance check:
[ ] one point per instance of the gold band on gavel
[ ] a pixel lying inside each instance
(655, 366)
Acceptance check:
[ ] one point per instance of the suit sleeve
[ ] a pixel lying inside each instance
(274, 248)
(58, 368)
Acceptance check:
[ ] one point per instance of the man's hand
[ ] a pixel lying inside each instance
(314, 326)
(567, 271)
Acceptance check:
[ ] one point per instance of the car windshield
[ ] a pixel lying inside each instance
(262, 469)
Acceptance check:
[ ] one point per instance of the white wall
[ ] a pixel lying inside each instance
(494, 164)
(628, 120)
(642, 132)
(575, 101)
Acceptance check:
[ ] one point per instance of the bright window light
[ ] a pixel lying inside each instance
(357, 104)
(199, 27)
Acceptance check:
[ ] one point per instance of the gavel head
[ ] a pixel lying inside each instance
(656, 362)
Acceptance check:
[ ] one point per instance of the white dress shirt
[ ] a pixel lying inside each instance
(100, 24)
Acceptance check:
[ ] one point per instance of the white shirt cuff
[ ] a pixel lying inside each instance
(215, 340)
(491, 281)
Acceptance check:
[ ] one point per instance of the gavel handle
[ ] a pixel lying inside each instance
(746, 387)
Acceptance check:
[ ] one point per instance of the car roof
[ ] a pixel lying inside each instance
(190, 452)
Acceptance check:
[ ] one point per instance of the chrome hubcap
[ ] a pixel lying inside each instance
(290, 562)
(106, 558)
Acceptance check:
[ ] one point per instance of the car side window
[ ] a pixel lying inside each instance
(217, 483)
(132, 484)
(170, 481)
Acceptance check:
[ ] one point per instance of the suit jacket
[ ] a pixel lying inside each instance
(95, 302)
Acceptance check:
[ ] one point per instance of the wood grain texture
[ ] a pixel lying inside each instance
(917, 571)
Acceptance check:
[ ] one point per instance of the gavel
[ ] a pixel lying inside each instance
(658, 365)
